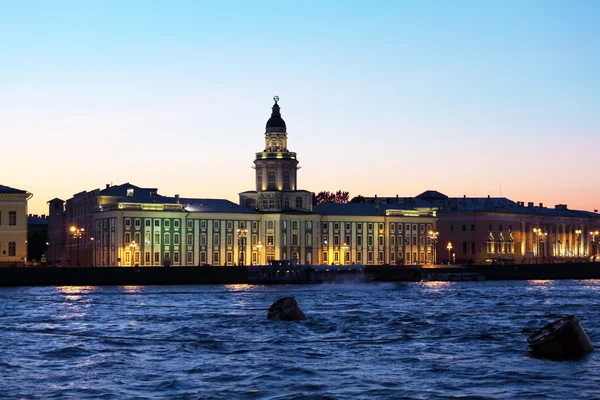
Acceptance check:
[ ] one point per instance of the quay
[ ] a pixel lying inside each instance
(98, 276)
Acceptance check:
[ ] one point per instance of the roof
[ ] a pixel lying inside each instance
(432, 195)
(358, 209)
(276, 123)
(9, 190)
(214, 205)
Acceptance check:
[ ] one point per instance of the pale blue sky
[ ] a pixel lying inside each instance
(379, 97)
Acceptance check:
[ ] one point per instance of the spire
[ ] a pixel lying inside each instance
(276, 123)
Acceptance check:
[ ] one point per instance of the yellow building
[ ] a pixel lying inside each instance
(13, 226)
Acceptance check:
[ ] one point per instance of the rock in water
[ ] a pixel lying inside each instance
(286, 309)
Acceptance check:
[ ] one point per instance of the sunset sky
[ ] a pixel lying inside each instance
(379, 97)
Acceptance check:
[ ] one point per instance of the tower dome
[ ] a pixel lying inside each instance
(276, 123)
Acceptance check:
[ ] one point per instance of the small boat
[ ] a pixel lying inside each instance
(562, 339)
(281, 274)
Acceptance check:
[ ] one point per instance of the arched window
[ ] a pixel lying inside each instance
(273, 144)
(286, 180)
(298, 202)
(272, 180)
(295, 255)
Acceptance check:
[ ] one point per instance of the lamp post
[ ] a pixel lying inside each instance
(345, 248)
(241, 245)
(77, 234)
(434, 235)
(132, 247)
(578, 233)
(593, 235)
(259, 248)
(449, 247)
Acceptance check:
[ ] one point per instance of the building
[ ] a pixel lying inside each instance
(13, 226)
(126, 225)
(37, 238)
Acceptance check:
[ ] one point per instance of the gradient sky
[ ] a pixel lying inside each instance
(380, 97)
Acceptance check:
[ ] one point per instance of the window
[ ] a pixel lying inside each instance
(370, 257)
(407, 228)
(399, 227)
(157, 238)
(138, 222)
(167, 239)
(298, 202)
(392, 240)
(271, 185)
(464, 248)
(370, 240)
(136, 257)
(270, 240)
(347, 241)
(295, 225)
(127, 257)
(336, 240)
(137, 237)
(175, 223)
(414, 227)
(336, 257)
(269, 224)
(308, 225)
(203, 225)
(157, 222)
(229, 258)
(216, 240)
(336, 226)
(392, 227)
(12, 248)
(359, 227)
(167, 223)
(216, 225)
(325, 239)
(422, 228)
(190, 239)
(202, 257)
(380, 226)
(176, 238)
(190, 257)
(203, 239)
(229, 225)
(370, 226)
(128, 222)
(359, 240)
(190, 224)
(359, 257)
(295, 255)
(258, 179)
(392, 257)
(127, 237)
(254, 225)
(324, 226)
(229, 239)
(147, 258)
(147, 222)
(414, 241)
(380, 240)
(176, 257)
(347, 226)
(156, 257)
(473, 248)
(325, 257)
(294, 239)
(286, 180)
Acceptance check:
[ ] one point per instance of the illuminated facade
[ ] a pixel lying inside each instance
(13, 226)
(127, 225)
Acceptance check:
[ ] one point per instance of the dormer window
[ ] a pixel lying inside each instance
(130, 192)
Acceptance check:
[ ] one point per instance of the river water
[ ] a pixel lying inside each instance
(370, 340)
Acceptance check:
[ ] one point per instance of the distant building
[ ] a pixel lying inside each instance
(37, 238)
(13, 226)
(126, 225)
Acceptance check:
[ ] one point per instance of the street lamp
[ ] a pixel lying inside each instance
(578, 233)
(241, 245)
(540, 239)
(434, 237)
(132, 247)
(593, 235)
(449, 247)
(345, 248)
(77, 234)
(259, 248)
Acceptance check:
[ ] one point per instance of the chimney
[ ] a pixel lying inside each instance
(107, 185)
(530, 204)
(396, 199)
(541, 205)
(488, 196)
(177, 199)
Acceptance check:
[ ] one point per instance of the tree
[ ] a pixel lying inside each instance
(329, 197)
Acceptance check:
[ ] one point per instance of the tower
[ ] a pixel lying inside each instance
(276, 172)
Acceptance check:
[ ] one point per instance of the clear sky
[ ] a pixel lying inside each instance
(379, 97)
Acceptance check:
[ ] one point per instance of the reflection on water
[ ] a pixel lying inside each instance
(75, 292)
(435, 285)
(133, 289)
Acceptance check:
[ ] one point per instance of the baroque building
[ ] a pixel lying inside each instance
(126, 225)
